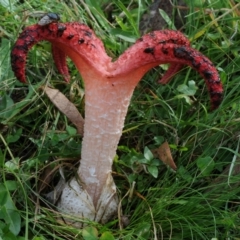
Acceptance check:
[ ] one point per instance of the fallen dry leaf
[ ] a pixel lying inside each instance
(164, 154)
(66, 107)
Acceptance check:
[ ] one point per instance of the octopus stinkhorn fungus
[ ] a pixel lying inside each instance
(108, 89)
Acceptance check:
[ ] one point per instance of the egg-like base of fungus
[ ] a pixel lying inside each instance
(75, 203)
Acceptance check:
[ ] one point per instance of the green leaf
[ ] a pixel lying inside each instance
(39, 238)
(54, 140)
(187, 98)
(206, 165)
(14, 137)
(124, 35)
(184, 174)
(8, 236)
(11, 185)
(90, 233)
(159, 140)
(13, 109)
(10, 215)
(96, 9)
(5, 69)
(107, 236)
(129, 16)
(153, 170)
(167, 19)
(2, 158)
(155, 162)
(8, 4)
(189, 90)
(195, 3)
(180, 202)
(143, 161)
(6, 106)
(12, 218)
(3, 196)
(143, 230)
(71, 130)
(12, 165)
(148, 154)
(132, 177)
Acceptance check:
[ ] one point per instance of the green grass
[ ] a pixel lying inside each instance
(199, 201)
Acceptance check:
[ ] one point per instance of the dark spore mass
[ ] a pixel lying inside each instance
(208, 74)
(149, 50)
(81, 41)
(88, 34)
(152, 34)
(70, 36)
(165, 50)
(180, 52)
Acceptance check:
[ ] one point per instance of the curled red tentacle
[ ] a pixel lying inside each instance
(19, 53)
(166, 37)
(72, 38)
(172, 70)
(152, 50)
(205, 67)
(60, 61)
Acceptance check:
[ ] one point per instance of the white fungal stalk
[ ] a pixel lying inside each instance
(106, 108)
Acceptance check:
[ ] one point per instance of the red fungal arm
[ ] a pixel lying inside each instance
(19, 54)
(75, 40)
(163, 51)
(60, 62)
(206, 69)
(165, 37)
